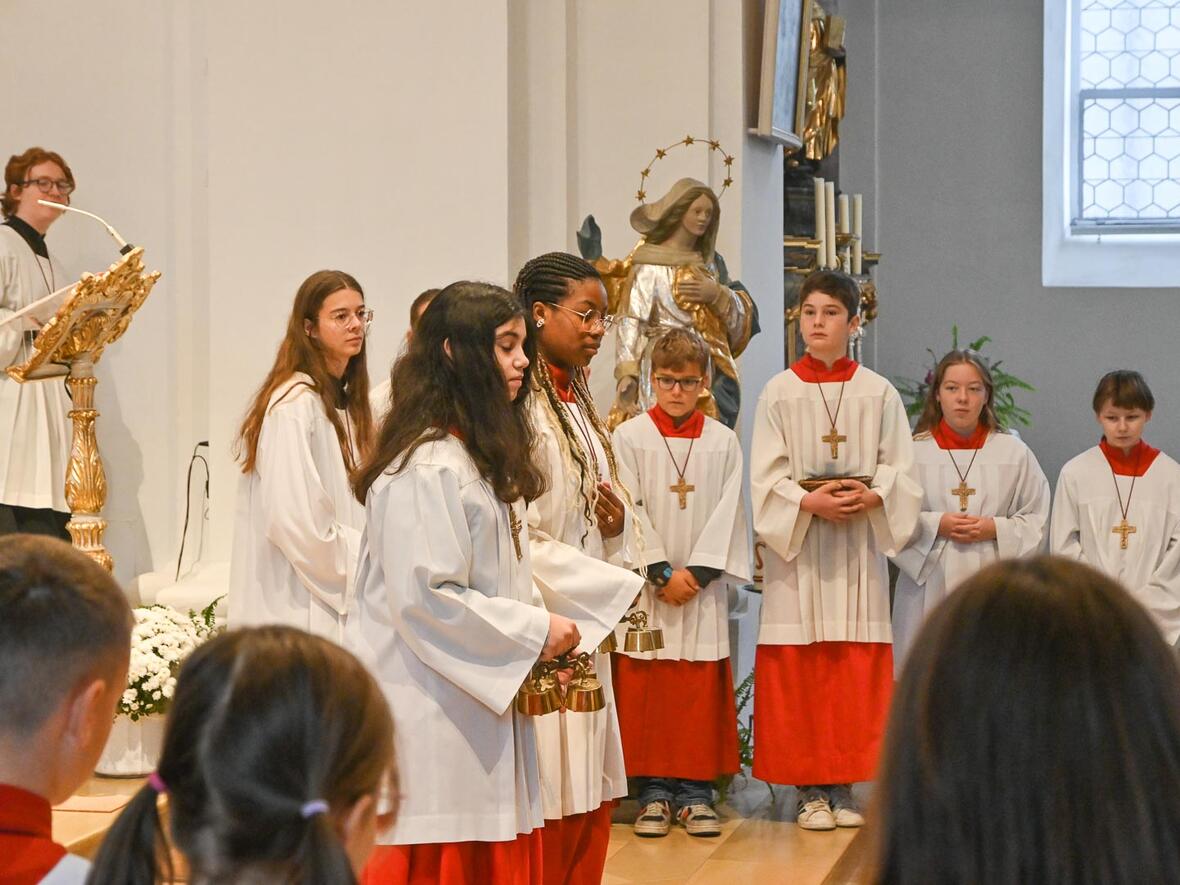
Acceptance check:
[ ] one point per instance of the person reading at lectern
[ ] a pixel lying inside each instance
(824, 665)
(298, 526)
(34, 417)
(1115, 507)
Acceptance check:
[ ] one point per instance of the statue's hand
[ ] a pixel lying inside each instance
(707, 292)
(627, 391)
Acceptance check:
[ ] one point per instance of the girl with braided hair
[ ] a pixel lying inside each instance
(579, 533)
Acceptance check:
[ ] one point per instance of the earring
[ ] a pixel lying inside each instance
(540, 322)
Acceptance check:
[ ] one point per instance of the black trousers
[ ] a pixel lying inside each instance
(33, 521)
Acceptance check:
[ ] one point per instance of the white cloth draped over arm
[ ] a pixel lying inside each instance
(774, 496)
(301, 520)
(894, 521)
(1023, 531)
(628, 465)
(486, 645)
(724, 541)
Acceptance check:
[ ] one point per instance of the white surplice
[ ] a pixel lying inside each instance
(297, 528)
(711, 531)
(825, 582)
(1009, 486)
(34, 416)
(444, 617)
(1086, 510)
(580, 575)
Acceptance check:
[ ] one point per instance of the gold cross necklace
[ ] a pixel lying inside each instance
(681, 488)
(833, 438)
(1124, 528)
(963, 492)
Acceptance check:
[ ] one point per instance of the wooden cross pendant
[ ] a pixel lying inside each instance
(1123, 529)
(963, 493)
(514, 525)
(834, 439)
(682, 489)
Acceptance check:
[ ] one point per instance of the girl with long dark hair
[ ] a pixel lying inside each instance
(445, 610)
(298, 526)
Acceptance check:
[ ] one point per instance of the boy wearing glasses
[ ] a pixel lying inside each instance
(676, 705)
(35, 444)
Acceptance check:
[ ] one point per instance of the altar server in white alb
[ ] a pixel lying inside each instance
(446, 613)
(676, 704)
(1117, 505)
(579, 533)
(984, 496)
(824, 665)
(297, 528)
(34, 416)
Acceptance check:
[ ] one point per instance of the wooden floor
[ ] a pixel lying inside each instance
(759, 843)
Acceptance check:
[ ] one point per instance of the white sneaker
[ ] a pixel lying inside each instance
(699, 820)
(655, 819)
(813, 811)
(844, 806)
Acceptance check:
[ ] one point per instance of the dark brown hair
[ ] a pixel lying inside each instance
(433, 393)
(1124, 389)
(932, 409)
(679, 347)
(670, 221)
(264, 720)
(299, 352)
(16, 172)
(1034, 737)
(421, 302)
(62, 618)
(836, 284)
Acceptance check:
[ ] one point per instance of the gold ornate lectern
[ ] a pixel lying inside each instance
(96, 313)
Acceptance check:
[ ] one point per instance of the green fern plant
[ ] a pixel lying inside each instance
(745, 728)
(913, 392)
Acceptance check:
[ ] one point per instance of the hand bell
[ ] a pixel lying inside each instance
(638, 637)
(584, 694)
(539, 694)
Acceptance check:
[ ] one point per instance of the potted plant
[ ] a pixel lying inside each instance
(160, 641)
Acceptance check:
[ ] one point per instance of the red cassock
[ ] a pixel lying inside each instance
(820, 711)
(677, 717)
(518, 862)
(575, 847)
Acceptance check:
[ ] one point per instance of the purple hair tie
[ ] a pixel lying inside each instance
(157, 783)
(312, 808)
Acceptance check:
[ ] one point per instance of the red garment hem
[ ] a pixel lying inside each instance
(820, 711)
(677, 718)
(517, 862)
(575, 847)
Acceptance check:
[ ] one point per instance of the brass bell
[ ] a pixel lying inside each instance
(639, 637)
(584, 694)
(539, 694)
(611, 643)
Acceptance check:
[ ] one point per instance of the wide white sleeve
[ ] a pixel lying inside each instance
(1161, 596)
(485, 644)
(10, 333)
(924, 549)
(592, 593)
(298, 512)
(1022, 532)
(894, 522)
(1065, 530)
(724, 541)
(628, 466)
(774, 497)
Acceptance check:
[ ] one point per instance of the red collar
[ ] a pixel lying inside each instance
(813, 371)
(691, 428)
(949, 439)
(27, 849)
(457, 434)
(562, 384)
(1134, 464)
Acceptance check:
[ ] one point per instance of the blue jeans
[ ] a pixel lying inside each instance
(678, 791)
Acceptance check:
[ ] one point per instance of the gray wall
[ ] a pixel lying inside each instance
(943, 135)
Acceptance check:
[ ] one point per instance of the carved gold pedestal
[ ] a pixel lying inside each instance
(96, 313)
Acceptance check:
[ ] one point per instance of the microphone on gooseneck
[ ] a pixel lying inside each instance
(124, 246)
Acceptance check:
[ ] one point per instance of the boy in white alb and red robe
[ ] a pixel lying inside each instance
(1117, 505)
(676, 705)
(824, 666)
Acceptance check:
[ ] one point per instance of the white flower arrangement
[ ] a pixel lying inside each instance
(160, 641)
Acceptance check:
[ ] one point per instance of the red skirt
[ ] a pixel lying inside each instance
(677, 718)
(820, 711)
(575, 847)
(518, 862)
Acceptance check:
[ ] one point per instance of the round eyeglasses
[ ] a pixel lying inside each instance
(47, 185)
(688, 385)
(592, 319)
(342, 319)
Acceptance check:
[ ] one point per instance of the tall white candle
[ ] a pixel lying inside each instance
(821, 225)
(858, 232)
(842, 215)
(830, 219)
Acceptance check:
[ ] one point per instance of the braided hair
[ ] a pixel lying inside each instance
(546, 279)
